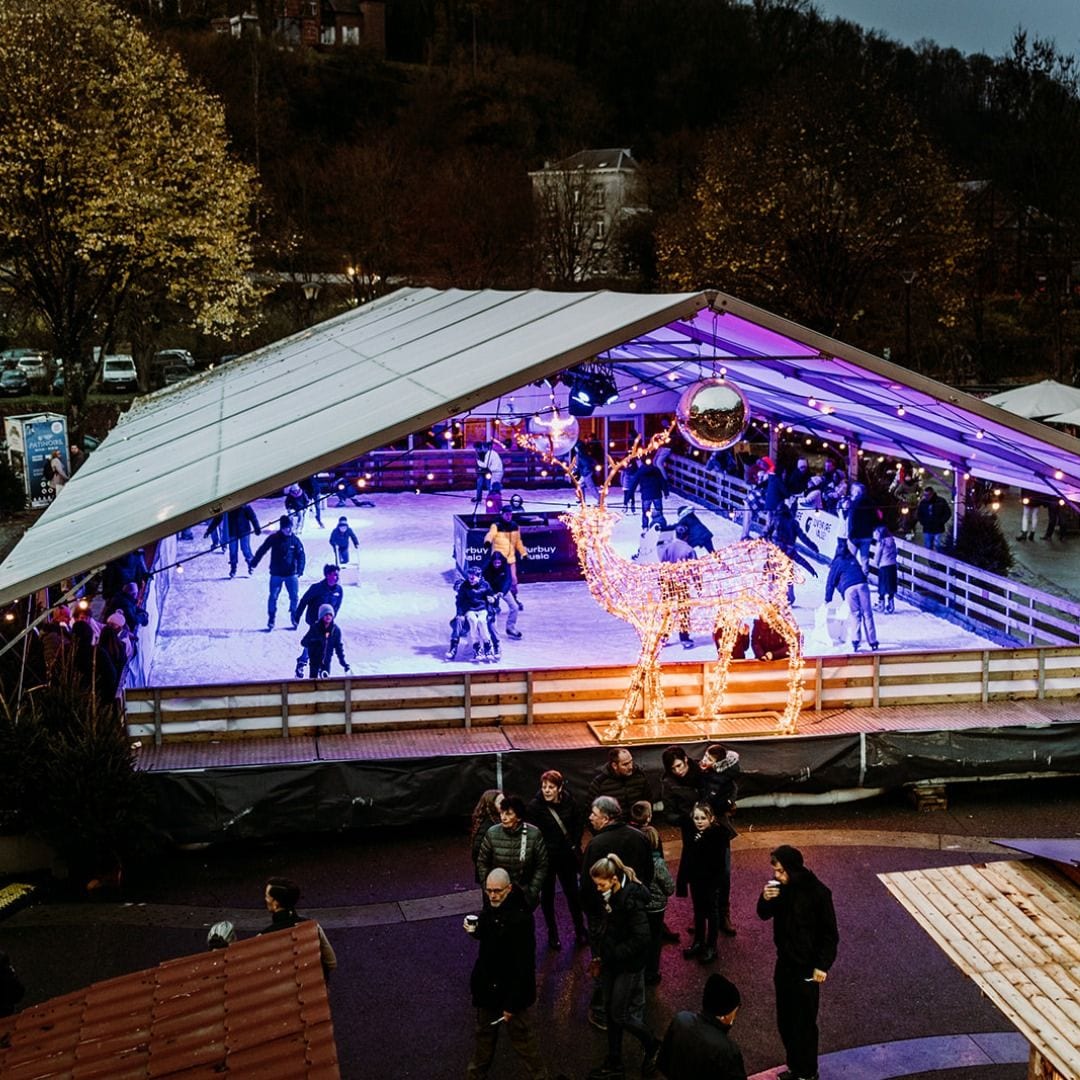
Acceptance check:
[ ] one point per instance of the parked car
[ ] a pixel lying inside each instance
(166, 357)
(30, 361)
(174, 373)
(118, 373)
(13, 380)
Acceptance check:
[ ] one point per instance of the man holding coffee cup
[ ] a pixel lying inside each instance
(504, 977)
(805, 935)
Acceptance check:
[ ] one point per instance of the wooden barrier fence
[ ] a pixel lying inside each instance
(492, 697)
(1006, 607)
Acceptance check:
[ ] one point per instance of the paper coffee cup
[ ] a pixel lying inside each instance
(472, 920)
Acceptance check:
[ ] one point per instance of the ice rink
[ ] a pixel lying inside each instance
(396, 608)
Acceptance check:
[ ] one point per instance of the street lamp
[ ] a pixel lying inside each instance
(311, 294)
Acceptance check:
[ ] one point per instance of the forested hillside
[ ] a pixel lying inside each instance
(904, 199)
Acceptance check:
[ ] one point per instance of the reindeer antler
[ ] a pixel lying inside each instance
(528, 441)
(661, 438)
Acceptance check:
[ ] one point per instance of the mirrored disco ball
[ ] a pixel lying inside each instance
(561, 432)
(712, 414)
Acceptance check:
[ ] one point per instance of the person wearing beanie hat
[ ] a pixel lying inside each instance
(698, 535)
(322, 641)
(341, 536)
(324, 592)
(287, 561)
(806, 938)
(221, 935)
(700, 1044)
(797, 480)
(296, 503)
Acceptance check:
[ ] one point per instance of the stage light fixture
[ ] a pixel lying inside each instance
(580, 402)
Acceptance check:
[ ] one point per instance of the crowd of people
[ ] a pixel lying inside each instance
(616, 884)
(92, 640)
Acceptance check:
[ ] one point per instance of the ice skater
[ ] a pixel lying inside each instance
(504, 536)
(474, 600)
(885, 563)
(317, 596)
(322, 641)
(340, 538)
(296, 504)
(496, 573)
(847, 578)
(287, 560)
(236, 529)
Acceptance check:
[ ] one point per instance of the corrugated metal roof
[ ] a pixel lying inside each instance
(420, 356)
(1013, 928)
(257, 1008)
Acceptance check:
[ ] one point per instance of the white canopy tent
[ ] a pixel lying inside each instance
(1038, 401)
(419, 356)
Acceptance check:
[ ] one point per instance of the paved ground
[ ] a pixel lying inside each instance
(392, 904)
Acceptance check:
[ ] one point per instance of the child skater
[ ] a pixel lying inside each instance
(709, 879)
(341, 536)
(885, 562)
(322, 641)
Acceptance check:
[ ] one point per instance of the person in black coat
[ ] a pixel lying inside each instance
(554, 812)
(126, 601)
(699, 1045)
(652, 484)
(503, 981)
(327, 591)
(680, 790)
(240, 524)
(707, 873)
(287, 561)
(785, 532)
(620, 952)
(698, 535)
(621, 779)
(806, 938)
(613, 836)
(863, 519)
(933, 514)
(322, 641)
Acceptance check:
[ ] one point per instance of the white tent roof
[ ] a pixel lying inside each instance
(1038, 400)
(418, 356)
(346, 386)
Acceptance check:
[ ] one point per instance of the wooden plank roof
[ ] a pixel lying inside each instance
(1014, 928)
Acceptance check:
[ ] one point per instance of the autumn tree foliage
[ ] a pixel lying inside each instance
(116, 182)
(817, 203)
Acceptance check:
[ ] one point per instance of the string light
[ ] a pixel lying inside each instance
(718, 594)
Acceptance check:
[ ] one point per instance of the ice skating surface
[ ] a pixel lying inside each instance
(398, 600)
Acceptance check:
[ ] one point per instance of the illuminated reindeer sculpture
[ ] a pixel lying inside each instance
(718, 593)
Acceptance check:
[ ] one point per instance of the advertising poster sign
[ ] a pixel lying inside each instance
(41, 435)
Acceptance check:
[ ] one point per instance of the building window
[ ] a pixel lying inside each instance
(350, 35)
(326, 36)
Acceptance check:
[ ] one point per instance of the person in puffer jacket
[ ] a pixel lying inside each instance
(516, 847)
